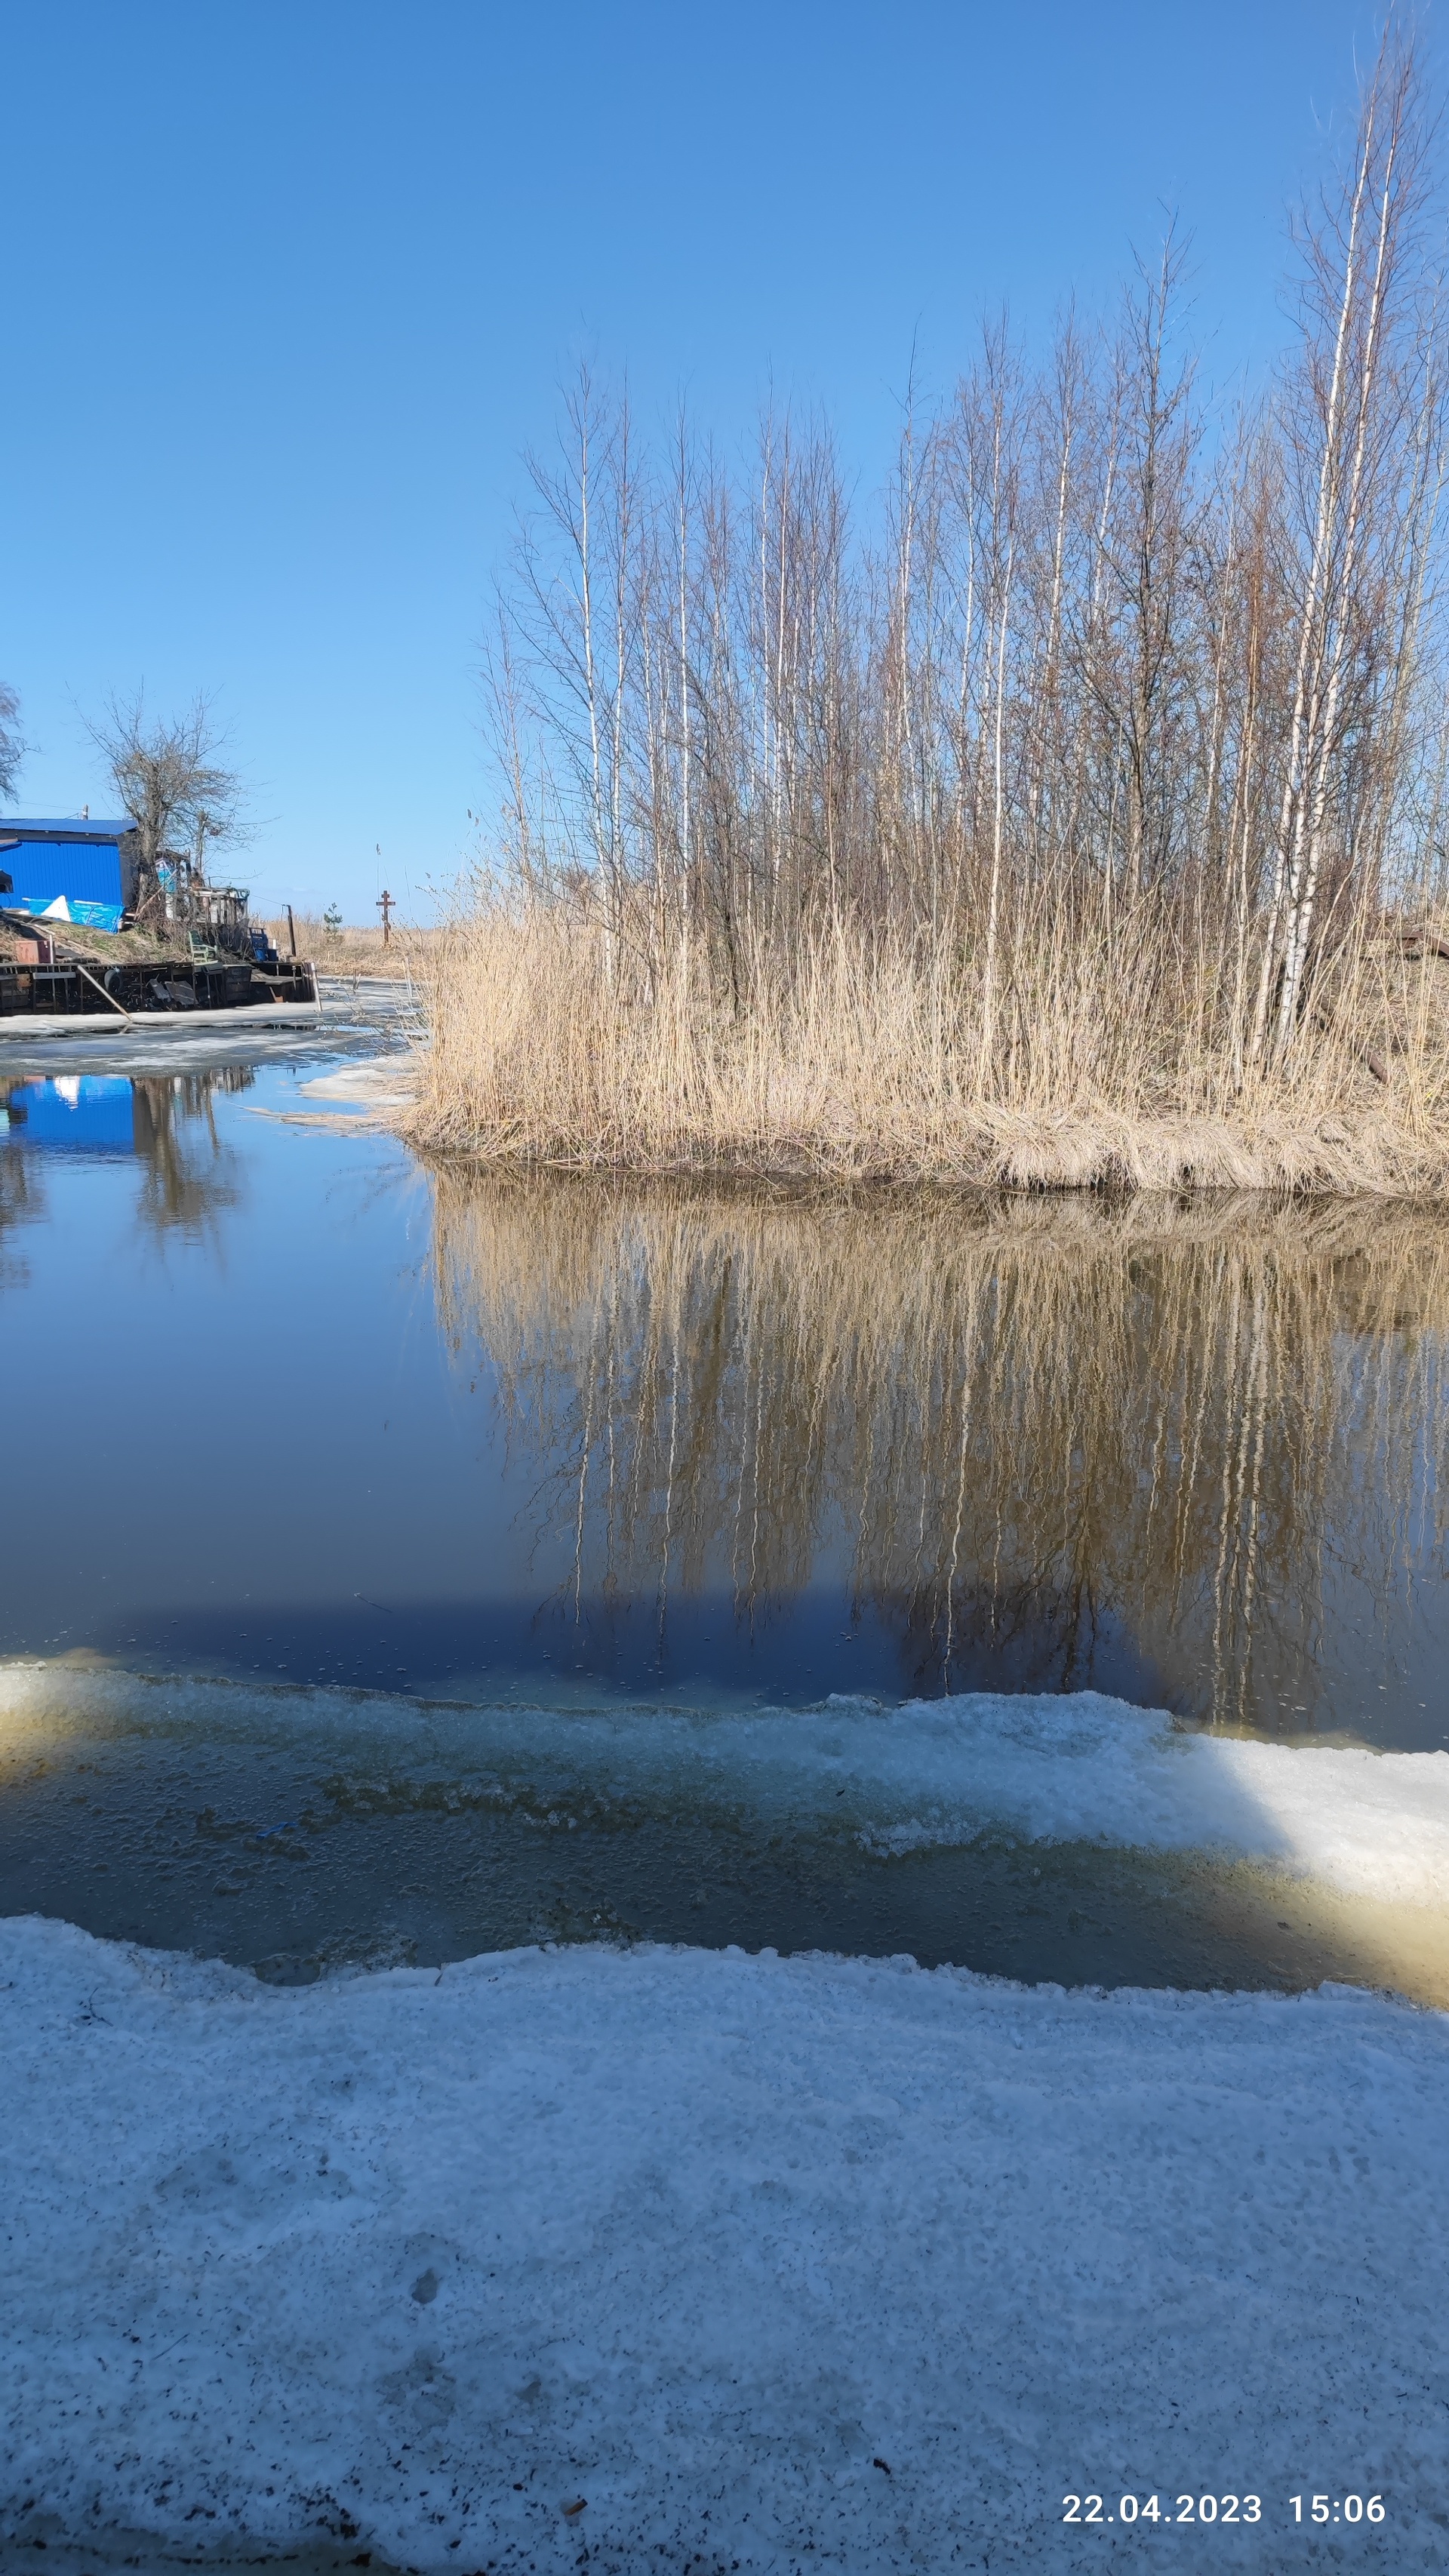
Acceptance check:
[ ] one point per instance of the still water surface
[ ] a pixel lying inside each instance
(288, 1412)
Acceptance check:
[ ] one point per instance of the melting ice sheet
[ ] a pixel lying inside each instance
(1079, 1769)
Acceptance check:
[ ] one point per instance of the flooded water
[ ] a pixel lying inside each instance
(401, 1562)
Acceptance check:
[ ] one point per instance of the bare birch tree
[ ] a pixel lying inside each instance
(1357, 421)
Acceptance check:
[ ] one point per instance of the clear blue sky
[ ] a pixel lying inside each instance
(288, 285)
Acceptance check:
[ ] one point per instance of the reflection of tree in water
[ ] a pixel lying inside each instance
(189, 1174)
(1021, 1421)
(22, 1202)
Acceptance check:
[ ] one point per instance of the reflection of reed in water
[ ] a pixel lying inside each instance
(190, 1173)
(1220, 1429)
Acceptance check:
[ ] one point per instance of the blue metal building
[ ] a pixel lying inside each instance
(89, 868)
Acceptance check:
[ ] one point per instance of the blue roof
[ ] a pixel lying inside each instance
(69, 827)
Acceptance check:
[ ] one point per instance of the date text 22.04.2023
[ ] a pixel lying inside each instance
(1223, 2508)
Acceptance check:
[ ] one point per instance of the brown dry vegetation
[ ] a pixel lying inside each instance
(862, 1059)
(354, 949)
(1078, 820)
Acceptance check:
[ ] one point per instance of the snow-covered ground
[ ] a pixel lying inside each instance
(658, 2260)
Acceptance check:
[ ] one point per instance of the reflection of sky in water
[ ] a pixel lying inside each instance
(88, 1113)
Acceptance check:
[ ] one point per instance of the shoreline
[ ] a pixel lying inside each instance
(1349, 1152)
(1159, 1173)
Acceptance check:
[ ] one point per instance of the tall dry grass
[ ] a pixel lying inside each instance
(353, 948)
(863, 1058)
(1076, 817)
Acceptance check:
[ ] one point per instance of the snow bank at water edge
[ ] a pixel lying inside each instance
(1051, 1769)
(610, 2258)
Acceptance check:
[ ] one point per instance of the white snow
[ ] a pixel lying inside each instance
(700, 2239)
(1050, 1769)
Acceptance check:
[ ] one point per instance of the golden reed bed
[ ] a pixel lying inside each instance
(866, 1058)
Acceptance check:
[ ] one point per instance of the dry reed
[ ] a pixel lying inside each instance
(353, 948)
(864, 1062)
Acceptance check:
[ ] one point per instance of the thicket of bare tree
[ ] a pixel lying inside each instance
(1105, 771)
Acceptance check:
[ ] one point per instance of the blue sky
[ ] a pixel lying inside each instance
(288, 288)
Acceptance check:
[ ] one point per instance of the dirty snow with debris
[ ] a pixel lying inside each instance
(659, 2258)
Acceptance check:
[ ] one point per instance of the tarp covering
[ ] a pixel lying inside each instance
(63, 907)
